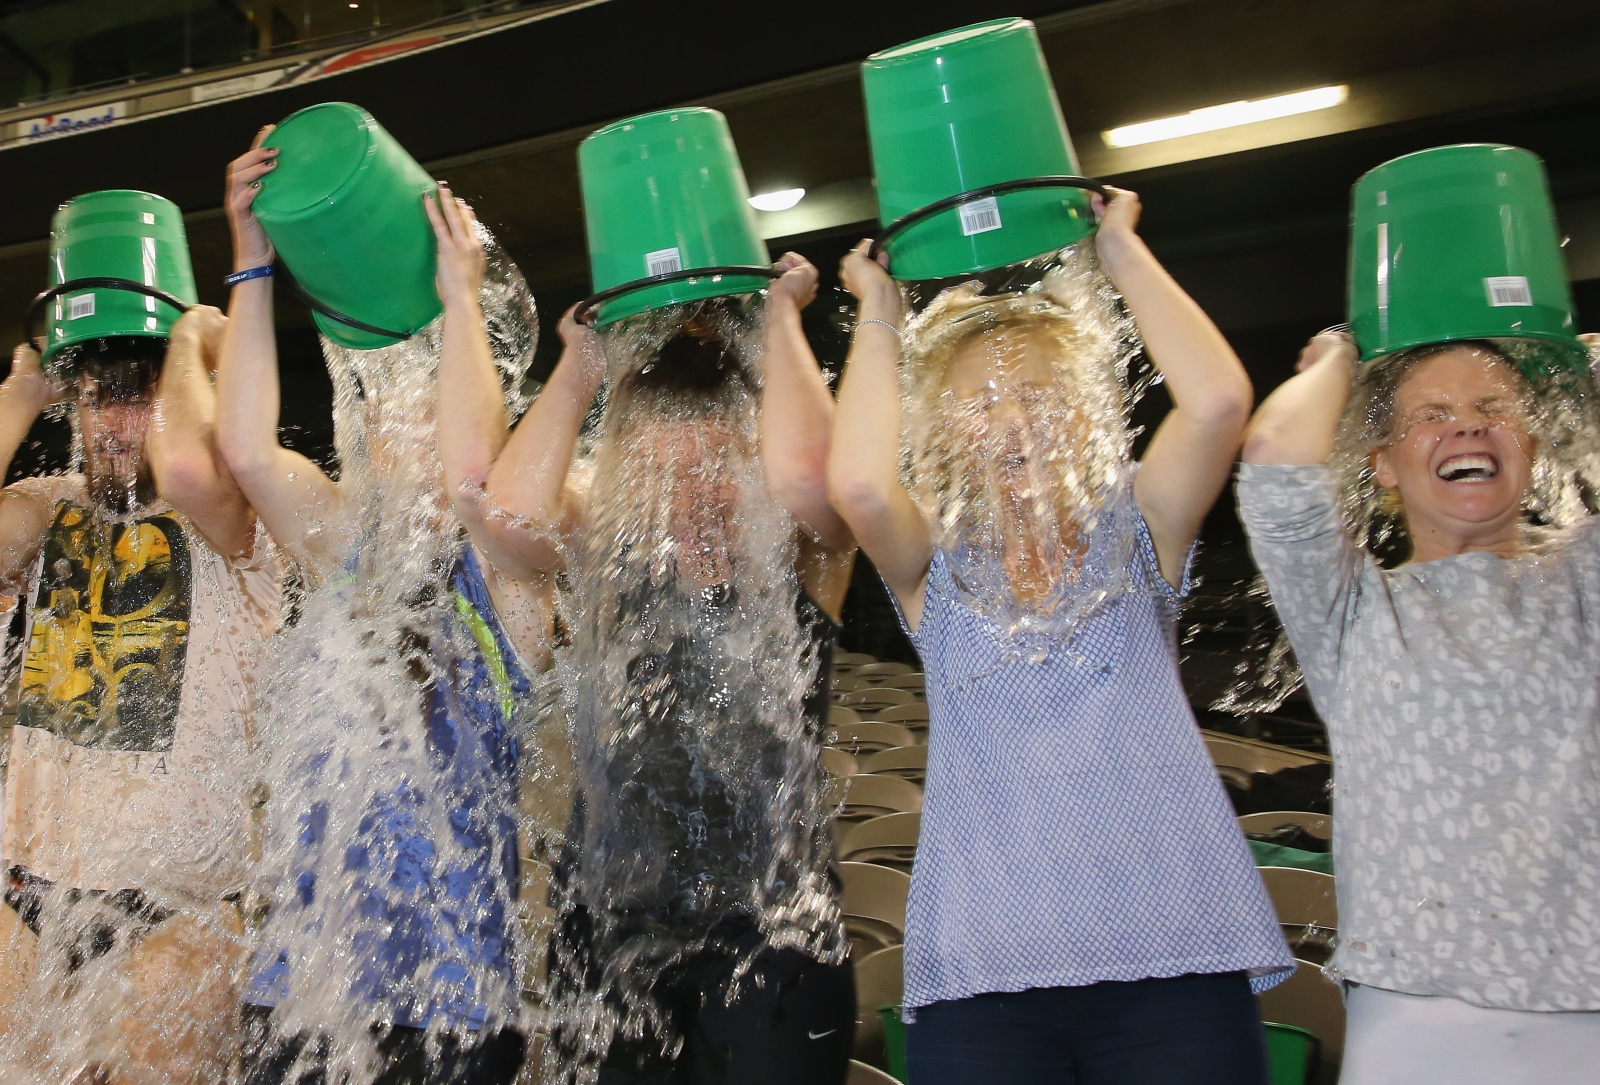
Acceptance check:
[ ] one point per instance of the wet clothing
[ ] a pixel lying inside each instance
(793, 1019)
(492, 1058)
(101, 918)
(419, 917)
(1183, 1030)
(1462, 699)
(1074, 829)
(792, 1023)
(130, 763)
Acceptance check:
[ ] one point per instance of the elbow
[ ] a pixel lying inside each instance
(1266, 442)
(857, 498)
(1226, 404)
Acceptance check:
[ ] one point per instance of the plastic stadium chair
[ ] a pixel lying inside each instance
(1318, 825)
(888, 840)
(869, 736)
(862, 1074)
(838, 714)
(866, 796)
(1303, 898)
(916, 682)
(881, 696)
(874, 906)
(880, 981)
(838, 762)
(908, 761)
(879, 671)
(910, 714)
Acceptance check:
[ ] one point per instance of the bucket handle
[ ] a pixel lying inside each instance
(30, 316)
(585, 311)
(304, 297)
(905, 222)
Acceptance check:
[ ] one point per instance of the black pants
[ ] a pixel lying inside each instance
(491, 1059)
(793, 1023)
(1189, 1030)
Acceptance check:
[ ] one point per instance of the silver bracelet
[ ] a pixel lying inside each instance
(874, 320)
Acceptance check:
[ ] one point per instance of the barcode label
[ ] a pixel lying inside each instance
(1508, 290)
(979, 217)
(662, 262)
(79, 306)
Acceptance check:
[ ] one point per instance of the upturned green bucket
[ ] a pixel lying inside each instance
(344, 210)
(664, 195)
(957, 113)
(121, 234)
(1460, 242)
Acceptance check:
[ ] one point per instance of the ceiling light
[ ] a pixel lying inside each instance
(1230, 115)
(781, 200)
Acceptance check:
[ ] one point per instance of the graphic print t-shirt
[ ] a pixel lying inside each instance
(129, 761)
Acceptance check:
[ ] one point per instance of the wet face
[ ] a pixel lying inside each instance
(696, 458)
(1460, 454)
(114, 422)
(1001, 382)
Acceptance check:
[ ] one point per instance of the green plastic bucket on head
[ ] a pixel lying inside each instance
(1292, 1053)
(1455, 243)
(664, 196)
(344, 211)
(135, 238)
(956, 113)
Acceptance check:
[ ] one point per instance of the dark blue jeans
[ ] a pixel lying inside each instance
(1190, 1030)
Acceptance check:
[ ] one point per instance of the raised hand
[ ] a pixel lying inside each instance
(461, 256)
(250, 245)
(796, 284)
(868, 279)
(1121, 212)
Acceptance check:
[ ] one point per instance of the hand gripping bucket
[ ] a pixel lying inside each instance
(974, 167)
(668, 215)
(1456, 243)
(344, 212)
(119, 266)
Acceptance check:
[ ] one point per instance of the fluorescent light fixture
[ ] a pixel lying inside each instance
(781, 200)
(1230, 115)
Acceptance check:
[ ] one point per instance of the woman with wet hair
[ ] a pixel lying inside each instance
(700, 939)
(1422, 523)
(1083, 906)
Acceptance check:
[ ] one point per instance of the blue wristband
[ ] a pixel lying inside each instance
(247, 274)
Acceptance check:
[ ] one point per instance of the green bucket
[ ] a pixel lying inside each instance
(894, 1041)
(668, 213)
(344, 211)
(119, 266)
(965, 127)
(1292, 1053)
(1456, 243)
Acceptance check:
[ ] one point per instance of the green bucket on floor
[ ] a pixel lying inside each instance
(894, 1040)
(1292, 1053)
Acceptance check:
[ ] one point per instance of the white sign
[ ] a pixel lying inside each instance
(243, 84)
(78, 120)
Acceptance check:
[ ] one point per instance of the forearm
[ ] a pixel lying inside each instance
(1298, 422)
(1200, 370)
(472, 413)
(247, 383)
(527, 491)
(796, 423)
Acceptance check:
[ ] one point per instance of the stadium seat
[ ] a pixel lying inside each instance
(865, 796)
(908, 761)
(862, 1074)
(838, 714)
(880, 981)
(909, 714)
(874, 905)
(1318, 825)
(880, 671)
(888, 840)
(839, 762)
(880, 696)
(868, 736)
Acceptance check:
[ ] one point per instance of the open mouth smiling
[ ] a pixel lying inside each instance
(1469, 467)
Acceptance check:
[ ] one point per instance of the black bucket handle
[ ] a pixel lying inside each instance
(30, 316)
(585, 311)
(921, 214)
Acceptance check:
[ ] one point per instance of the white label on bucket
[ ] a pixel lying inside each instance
(82, 305)
(662, 262)
(1508, 290)
(979, 217)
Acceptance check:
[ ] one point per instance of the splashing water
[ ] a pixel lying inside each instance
(1018, 444)
(703, 797)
